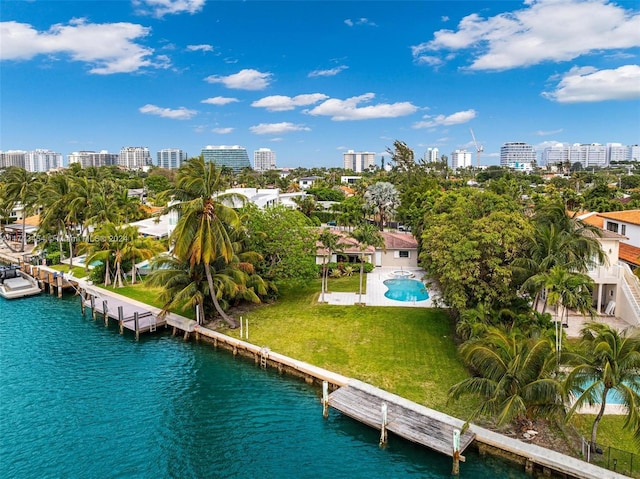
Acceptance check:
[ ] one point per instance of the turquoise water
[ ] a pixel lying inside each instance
(81, 401)
(404, 289)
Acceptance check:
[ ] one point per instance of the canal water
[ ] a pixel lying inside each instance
(77, 400)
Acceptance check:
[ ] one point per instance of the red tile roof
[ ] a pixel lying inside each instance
(629, 254)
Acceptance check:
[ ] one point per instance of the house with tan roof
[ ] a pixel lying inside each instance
(400, 251)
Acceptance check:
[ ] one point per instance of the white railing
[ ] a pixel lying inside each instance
(631, 288)
(605, 273)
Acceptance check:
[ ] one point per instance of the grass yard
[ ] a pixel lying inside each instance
(610, 432)
(77, 271)
(148, 295)
(406, 351)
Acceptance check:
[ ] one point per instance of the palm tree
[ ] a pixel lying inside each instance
(565, 290)
(514, 377)
(22, 187)
(201, 235)
(607, 361)
(140, 248)
(366, 235)
(182, 285)
(382, 198)
(55, 197)
(331, 243)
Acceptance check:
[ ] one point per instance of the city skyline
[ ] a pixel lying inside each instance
(312, 80)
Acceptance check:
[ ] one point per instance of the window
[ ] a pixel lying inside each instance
(623, 229)
(403, 254)
(612, 226)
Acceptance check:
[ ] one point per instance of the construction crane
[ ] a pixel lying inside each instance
(479, 148)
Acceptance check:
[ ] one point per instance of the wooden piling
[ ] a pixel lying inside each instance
(93, 307)
(50, 280)
(82, 300)
(105, 312)
(456, 453)
(121, 319)
(136, 324)
(383, 425)
(60, 285)
(325, 399)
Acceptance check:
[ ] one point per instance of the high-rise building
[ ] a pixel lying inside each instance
(359, 161)
(135, 157)
(171, 158)
(588, 155)
(517, 153)
(431, 155)
(460, 159)
(42, 160)
(264, 159)
(12, 158)
(234, 157)
(87, 159)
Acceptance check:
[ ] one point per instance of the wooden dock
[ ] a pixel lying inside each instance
(404, 418)
(138, 319)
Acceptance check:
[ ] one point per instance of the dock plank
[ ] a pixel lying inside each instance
(418, 425)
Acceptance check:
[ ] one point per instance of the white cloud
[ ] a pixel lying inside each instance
(327, 73)
(107, 47)
(446, 120)
(360, 21)
(222, 131)
(341, 110)
(547, 133)
(200, 48)
(284, 103)
(590, 85)
(277, 128)
(219, 100)
(246, 79)
(545, 30)
(160, 8)
(181, 113)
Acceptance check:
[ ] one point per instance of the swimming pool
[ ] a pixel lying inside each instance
(405, 289)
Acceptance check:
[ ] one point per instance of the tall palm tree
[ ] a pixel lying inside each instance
(366, 235)
(565, 290)
(514, 377)
(331, 243)
(140, 248)
(55, 197)
(201, 235)
(607, 361)
(22, 187)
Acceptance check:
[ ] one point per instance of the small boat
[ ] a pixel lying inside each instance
(16, 284)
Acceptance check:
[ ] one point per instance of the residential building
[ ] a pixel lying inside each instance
(12, 158)
(87, 159)
(307, 182)
(135, 158)
(517, 152)
(264, 159)
(263, 197)
(460, 159)
(350, 180)
(617, 289)
(234, 157)
(359, 161)
(171, 158)
(41, 160)
(589, 155)
(431, 155)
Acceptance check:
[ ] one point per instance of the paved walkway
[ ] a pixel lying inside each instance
(376, 289)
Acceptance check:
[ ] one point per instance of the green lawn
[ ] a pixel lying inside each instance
(610, 432)
(407, 351)
(77, 271)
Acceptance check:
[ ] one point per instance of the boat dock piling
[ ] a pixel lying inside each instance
(129, 316)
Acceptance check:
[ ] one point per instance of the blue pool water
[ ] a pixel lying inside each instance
(81, 401)
(405, 289)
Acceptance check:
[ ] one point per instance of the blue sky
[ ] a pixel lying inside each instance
(312, 79)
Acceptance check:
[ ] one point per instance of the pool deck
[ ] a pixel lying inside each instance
(376, 289)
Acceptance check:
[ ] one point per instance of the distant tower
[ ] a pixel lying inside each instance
(234, 157)
(171, 158)
(264, 159)
(135, 157)
(431, 155)
(358, 161)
